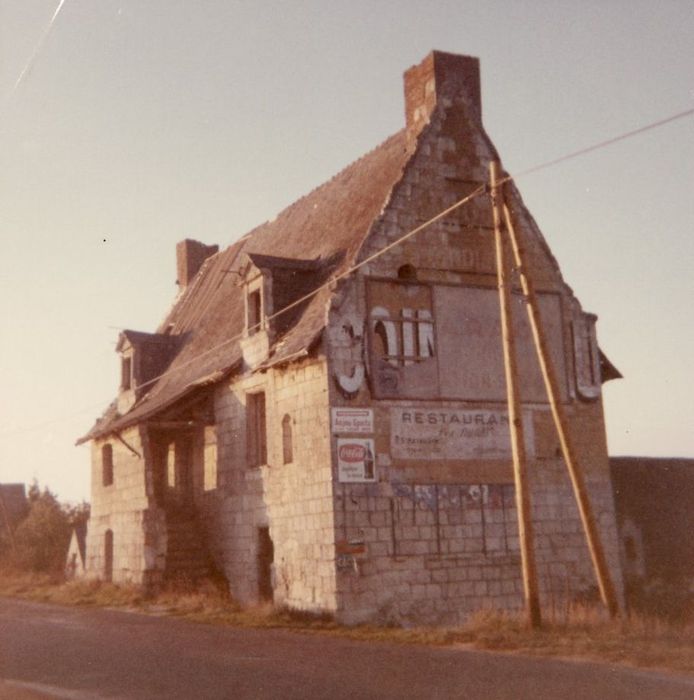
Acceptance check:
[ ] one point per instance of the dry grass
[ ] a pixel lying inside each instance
(584, 632)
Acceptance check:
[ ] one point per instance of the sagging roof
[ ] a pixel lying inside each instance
(321, 233)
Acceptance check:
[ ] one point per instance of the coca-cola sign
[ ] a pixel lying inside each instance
(352, 452)
(356, 460)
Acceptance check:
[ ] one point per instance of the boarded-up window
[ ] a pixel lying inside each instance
(107, 464)
(256, 429)
(210, 458)
(287, 444)
(171, 466)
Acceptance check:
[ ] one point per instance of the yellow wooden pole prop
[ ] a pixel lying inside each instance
(607, 592)
(525, 528)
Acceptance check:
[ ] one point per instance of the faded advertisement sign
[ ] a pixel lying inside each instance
(471, 358)
(444, 342)
(452, 434)
(352, 420)
(355, 460)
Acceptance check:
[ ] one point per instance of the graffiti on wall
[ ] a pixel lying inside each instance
(454, 519)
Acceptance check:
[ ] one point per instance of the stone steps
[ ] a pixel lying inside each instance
(187, 558)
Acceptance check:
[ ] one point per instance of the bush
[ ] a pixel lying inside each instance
(42, 537)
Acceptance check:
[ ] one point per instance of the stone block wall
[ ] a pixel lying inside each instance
(293, 500)
(416, 545)
(121, 507)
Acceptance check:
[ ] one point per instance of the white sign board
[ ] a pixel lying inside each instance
(452, 434)
(355, 460)
(352, 420)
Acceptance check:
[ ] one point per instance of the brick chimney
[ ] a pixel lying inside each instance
(190, 255)
(440, 75)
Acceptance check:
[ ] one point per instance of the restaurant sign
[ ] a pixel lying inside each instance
(454, 434)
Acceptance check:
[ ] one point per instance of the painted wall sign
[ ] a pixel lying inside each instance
(352, 420)
(444, 342)
(452, 434)
(355, 460)
(468, 329)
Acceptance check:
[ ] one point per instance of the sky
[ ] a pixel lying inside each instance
(138, 124)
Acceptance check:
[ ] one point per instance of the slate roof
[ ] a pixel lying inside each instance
(323, 231)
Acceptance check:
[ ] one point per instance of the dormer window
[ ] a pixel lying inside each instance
(255, 311)
(143, 358)
(126, 373)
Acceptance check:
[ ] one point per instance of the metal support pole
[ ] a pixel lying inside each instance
(525, 527)
(607, 592)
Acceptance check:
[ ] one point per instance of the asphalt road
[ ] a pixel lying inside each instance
(51, 651)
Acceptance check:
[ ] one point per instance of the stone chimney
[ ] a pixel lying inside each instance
(190, 255)
(440, 76)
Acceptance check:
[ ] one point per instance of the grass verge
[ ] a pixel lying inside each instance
(585, 633)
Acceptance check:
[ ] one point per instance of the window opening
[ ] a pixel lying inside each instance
(171, 466)
(256, 429)
(266, 556)
(107, 464)
(254, 312)
(287, 443)
(407, 272)
(126, 369)
(210, 458)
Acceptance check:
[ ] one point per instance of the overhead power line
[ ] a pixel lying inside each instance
(461, 202)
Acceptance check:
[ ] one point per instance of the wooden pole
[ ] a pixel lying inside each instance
(607, 592)
(525, 527)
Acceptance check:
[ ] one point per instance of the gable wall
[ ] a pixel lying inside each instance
(431, 550)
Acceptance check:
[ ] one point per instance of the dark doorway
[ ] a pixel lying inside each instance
(266, 555)
(108, 555)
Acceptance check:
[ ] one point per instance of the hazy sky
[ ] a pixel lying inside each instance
(143, 122)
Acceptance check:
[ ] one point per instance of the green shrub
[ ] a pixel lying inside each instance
(42, 536)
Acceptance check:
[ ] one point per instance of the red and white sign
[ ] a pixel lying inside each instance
(353, 420)
(356, 461)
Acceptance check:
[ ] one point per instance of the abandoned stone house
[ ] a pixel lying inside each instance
(336, 439)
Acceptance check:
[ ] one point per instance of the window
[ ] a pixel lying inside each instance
(171, 466)
(407, 272)
(126, 370)
(210, 458)
(287, 446)
(255, 308)
(107, 464)
(256, 429)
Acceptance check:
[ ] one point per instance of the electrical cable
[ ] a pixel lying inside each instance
(333, 280)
